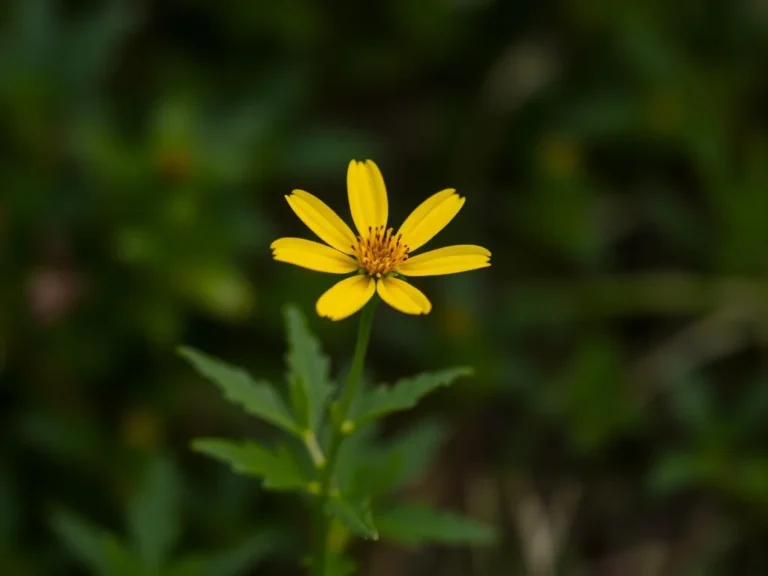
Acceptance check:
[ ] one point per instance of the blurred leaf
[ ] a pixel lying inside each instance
(310, 370)
(322, 150)
(35, 22)
(676, 471)
(415, 449)
(748, 479)
(414, 526)
(218, 289)
(122, 562)
(279, 469)
(356, 515)
(245, 556)
(405, 393)
(339, 566)
(600, 114)
(752, 411)
(596, 401)
(377, 470)
(71, 440)
(94, 43)
(354, 452)
(187, 567)
(85, 541)
(693, 402)
(153, 515)
(9, 512)
(258, 399)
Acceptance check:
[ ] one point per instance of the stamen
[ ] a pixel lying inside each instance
(380, 251)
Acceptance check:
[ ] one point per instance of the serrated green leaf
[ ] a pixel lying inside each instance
(84, 541)
(279, 469)
(309, 370)
(416, 525)
(257, 398)
(153, 515)
(405, 393)
(356, 515)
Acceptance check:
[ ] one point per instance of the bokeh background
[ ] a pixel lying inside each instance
(615, 160)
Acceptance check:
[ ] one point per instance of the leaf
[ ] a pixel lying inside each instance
(354, 453)
(279, 470)
(190, 566)
(365, 467)
(244, 556)
(405, 393)
(356, 515)
(679, 470)
(121, 561)
(257, 398)
(310, 370)
(153, 515)
(597, 409)
(84, 541)
(413, 526)
(693, 403)
(414, 450)
(337, 565)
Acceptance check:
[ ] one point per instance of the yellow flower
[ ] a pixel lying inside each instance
(378, 255)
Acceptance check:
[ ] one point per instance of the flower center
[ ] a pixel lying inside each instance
(380, 252)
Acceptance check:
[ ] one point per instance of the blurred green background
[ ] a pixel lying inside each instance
(615, 160)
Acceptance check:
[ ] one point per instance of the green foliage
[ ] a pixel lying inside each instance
(236, 561)
(309, 375)
(366, 470)
(339, 566)
(87, 542)
(367, 466)
(279, 469)
(595, 400)
(356, 514)
(154, 516)
(257, 398)
(404, 394)
(154, 522)
(414, 526)
(617, 167)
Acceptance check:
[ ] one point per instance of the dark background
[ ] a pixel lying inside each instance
(614, 156)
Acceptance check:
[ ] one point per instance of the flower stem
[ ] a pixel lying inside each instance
(339, 416)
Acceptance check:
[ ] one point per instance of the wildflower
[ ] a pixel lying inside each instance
(378, 256)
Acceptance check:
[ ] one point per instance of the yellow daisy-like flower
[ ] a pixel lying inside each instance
(377, 254)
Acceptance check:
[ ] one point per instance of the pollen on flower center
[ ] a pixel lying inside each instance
(380, 251)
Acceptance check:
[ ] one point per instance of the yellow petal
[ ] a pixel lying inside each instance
(346, 297)
(322, 220)
(312, 255)
(403, 296)
(449, 260)
(367, 196)
(430, 217)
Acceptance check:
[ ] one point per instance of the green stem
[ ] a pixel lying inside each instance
(338, 418)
